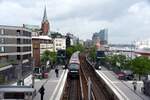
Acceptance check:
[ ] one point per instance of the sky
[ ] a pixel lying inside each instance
(126, 20)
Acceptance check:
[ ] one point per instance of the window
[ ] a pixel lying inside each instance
(56, 44)
(2, 32)
(2, 49)
(18, 41)
(18, 33)
(18, 49)
(1, 40)
(18, 57)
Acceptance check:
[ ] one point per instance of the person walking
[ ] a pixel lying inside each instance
(134, 85)
(57, 72)
(41, 90)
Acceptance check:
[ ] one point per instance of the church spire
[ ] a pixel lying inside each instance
(45, 27)
(45, 15)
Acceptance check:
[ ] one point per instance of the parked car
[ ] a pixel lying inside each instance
(121, 75)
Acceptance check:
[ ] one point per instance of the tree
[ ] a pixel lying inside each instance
(48, 56)
(70, 50)
(141, 66)
(118, 61)
(92, 53)
(53, 57)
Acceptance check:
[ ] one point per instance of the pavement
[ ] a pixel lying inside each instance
(49, 85)
(126, 87)
(138, 91)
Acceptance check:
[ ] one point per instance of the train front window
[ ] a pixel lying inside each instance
(74, 66)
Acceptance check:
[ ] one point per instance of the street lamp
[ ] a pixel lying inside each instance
(33, 76)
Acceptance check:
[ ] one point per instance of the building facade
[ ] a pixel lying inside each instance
(88, 43)
(41, 44)
(41, 41)
(15, 51)
(101, 36)
(59, 43)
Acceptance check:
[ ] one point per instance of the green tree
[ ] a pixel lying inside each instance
(70, 50)
(47, 55)
(92, 53)
(141, 66)
(119, 61)
(53, 57)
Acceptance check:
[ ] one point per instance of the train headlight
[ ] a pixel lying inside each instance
(73, 71)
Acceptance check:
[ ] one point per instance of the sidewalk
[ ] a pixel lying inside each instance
(126, 87)
(130, 86)
(50, 84)
(138, 91)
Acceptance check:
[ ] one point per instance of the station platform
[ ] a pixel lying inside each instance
(123, 89)
(53, 85)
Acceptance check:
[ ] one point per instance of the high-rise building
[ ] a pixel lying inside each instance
(15, 52)
(102, 35)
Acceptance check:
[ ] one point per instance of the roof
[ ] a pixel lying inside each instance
(42, 37)
(14, 27)
(143, 51)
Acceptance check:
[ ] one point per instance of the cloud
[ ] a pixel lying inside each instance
(133, 25)
(126, 20)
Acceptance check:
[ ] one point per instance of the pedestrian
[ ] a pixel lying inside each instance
(41, 90)
(57, 72)
(134, 85)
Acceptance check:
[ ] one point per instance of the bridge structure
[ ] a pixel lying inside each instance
(92, 84)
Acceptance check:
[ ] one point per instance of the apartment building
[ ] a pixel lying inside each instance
(15, 52)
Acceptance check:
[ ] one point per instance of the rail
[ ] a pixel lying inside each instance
(98, 91)
(119, 94)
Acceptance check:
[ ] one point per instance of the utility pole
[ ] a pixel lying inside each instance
(33, 76)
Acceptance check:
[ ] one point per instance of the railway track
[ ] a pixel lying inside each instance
(99, 91)
(72, 90)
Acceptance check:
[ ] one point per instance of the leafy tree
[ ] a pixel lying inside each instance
(47, 55)
(119, 61)
(70, 50)
(92, 53)
(53, 57)
(141, 65)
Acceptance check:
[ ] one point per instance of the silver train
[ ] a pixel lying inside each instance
(74, 65)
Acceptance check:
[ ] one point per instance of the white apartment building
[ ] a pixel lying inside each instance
(59, 43)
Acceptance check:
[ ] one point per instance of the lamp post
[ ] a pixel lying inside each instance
(33, 76)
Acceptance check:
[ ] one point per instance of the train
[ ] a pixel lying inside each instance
(74, 65)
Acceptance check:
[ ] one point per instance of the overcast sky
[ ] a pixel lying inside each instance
(126, 20)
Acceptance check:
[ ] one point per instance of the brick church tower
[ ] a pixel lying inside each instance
(45, 24)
